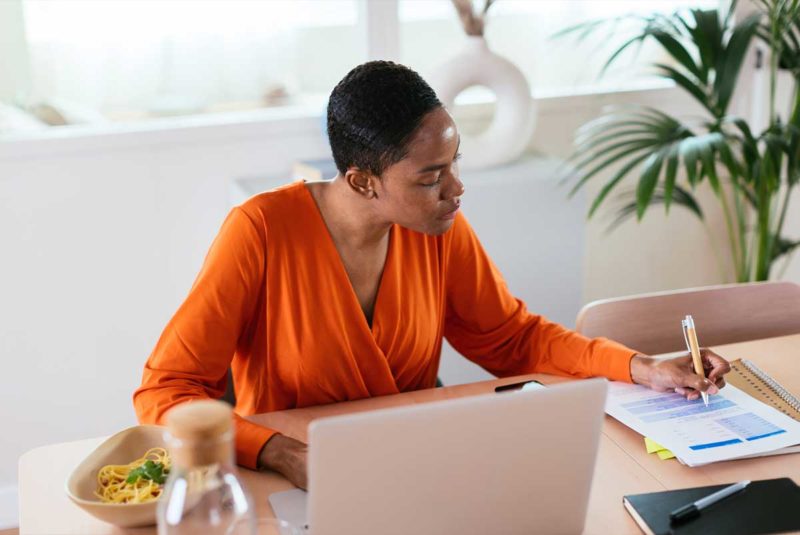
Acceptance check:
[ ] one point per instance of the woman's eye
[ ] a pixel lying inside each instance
(432, 184)
(439, 177)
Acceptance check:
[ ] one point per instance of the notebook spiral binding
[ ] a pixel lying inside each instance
(781, 392)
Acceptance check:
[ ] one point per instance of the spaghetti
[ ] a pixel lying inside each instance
(140, 481)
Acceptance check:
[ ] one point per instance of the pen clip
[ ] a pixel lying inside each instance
(685, 328)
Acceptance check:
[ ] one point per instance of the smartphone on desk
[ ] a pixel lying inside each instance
(524, 386)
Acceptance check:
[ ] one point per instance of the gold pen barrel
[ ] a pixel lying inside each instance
(694, 349)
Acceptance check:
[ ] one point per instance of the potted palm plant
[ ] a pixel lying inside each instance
(752, 174)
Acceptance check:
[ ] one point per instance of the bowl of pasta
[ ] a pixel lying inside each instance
(120, 481)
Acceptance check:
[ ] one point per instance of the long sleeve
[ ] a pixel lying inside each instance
(485, 323)
(192, 357)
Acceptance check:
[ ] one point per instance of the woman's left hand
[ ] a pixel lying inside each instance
(677, 374)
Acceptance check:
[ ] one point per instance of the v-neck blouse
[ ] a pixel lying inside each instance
(274, 303)
(321, 228)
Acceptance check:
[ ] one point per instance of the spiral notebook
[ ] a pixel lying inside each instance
(751, 379)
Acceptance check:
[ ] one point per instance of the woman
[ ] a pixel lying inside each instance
(330, 291)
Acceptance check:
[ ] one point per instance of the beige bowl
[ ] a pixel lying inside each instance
(121, 448)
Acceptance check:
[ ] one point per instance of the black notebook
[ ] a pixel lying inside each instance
(767, 506)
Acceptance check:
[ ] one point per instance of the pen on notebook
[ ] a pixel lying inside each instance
(692, 510)
(690, 335)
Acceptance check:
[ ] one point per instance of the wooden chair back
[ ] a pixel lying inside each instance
(651, 323)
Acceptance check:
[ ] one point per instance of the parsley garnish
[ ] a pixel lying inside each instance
(149, 470)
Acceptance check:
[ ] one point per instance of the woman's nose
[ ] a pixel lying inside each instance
(455, 188)
(461, 187)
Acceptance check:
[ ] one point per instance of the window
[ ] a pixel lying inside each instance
(129, 58)
(522, 31)
(133, 59)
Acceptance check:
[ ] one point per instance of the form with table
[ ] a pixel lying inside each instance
(623, 465)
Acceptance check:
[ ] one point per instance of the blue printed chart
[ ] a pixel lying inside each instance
(732, 425)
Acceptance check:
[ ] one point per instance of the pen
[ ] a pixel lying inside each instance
(690, 335)
(692, 510)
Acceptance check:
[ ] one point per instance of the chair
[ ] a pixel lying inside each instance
(725, 314)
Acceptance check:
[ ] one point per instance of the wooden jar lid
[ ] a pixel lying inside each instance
(201, 433)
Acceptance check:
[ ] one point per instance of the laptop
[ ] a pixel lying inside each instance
(515, 462)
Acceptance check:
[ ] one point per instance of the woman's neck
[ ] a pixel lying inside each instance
(351, 218)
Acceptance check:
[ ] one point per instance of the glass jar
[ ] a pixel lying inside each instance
(203, 492)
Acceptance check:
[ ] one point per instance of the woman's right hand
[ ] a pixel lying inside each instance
(286, 456)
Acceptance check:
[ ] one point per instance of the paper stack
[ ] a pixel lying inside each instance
(733, 424)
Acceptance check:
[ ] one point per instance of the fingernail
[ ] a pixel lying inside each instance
(713, 389)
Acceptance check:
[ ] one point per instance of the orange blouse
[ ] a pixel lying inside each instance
(274, 303)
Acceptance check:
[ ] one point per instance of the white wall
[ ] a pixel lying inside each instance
(535, 238)
(102, 237)
(101, 240)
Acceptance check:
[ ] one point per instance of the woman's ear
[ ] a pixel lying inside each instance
(362, 182)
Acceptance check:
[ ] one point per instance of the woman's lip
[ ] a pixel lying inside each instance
(452, 214)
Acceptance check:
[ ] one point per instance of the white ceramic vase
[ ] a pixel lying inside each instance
(515, 114)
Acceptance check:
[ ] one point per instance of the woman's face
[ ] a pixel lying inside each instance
(422, 191)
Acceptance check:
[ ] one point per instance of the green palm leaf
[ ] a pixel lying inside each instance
(678, 52)
(706, 35)
(614, 158)
(706, 53)
(691, 86)
(730, 62)
(678, 196)
(673, 161)
(613, 182)
(648, 181)
(782, 246)
(605, 143)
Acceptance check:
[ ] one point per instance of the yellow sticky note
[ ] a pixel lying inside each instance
(665, 454)
(652, 446)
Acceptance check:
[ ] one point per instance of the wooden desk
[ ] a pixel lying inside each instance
(623, 466)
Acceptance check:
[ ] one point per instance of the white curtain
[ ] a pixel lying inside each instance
(147, 54)
(14, 65)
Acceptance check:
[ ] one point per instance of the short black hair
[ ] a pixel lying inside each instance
(373, 113)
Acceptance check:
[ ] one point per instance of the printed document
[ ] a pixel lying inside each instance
(733, 425)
